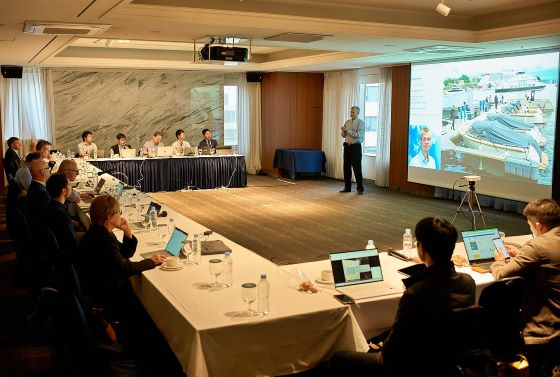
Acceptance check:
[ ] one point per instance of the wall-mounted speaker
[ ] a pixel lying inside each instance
(254, 76)
(11, 71)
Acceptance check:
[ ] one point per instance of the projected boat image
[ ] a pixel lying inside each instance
(519, 82)
(500, 137)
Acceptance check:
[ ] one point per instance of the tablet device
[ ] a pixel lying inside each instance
(412, 270)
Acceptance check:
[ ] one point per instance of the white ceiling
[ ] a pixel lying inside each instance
(359, 33)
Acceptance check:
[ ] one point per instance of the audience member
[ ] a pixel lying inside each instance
(33, 146)
(538, 261)
(70, 169)
(155, 142)
(180, 144)
(121, 144)
(418, 343)
(44, 147)
(207, 140)
(37, 199)
(57, 218)
(87, 147)
(12, 160)
(23, 175)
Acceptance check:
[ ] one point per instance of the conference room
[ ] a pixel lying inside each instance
(455, 103)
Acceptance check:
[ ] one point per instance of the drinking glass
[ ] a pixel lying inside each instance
(138, 208)
(249, 294)
(146, 222)
(216, 268)
(163, 231)
(187, 251)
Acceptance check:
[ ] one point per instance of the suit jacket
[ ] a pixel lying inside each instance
(104, 268)
(57, 218)
(204, 143)
(36, 203)
(12, 163)
(538, 261)
(419, 341)
(116, 150)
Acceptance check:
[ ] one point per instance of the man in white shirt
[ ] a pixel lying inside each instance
(87, 148)
(44, 147)
(423, 158)
(353, 133)
(180, 144)
(155, 142)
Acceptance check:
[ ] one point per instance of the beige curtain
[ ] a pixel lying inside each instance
(250, 143)
(382, 159)
(340, 93)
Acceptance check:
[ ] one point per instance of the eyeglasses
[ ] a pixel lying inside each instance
(75, 171)
(117, 213)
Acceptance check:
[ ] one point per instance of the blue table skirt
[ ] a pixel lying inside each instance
(300, 161)
(172, 174)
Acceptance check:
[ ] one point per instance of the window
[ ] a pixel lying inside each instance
(230, 115)
(369, 106)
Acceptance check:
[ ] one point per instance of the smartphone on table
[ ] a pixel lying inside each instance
(345, 299)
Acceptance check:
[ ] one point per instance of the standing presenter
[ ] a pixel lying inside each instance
(353, 134)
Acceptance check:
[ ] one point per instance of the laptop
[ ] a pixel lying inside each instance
(96, 191)
(206, 150)
(358, 274)
(173, 247)
(165, 151)
(128, 153)
(224, 150)
(480, 246)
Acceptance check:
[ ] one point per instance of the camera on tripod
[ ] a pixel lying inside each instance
(472, 179)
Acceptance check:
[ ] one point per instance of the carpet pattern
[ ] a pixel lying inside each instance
(293, 223)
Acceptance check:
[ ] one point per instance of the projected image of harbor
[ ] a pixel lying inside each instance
(492, 117)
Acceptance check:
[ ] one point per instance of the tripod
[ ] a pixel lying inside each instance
(469, 195)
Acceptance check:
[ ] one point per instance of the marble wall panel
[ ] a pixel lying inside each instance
(136, 103)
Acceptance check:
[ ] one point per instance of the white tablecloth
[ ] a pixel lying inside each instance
(204, 327)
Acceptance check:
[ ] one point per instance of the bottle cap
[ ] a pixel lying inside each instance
(263, 276)
(407, 230)
(370, 242)
(227, 253)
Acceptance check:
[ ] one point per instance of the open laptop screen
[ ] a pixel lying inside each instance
(479, 245)
(356, 267)
(176, 241)
(99, 186)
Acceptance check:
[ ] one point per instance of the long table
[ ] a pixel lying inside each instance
(176, 173)
(296, 161)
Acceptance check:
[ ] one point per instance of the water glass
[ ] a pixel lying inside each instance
(163, 231)
(138, 208)
(146, 222)
(216, 268)
(249, 294)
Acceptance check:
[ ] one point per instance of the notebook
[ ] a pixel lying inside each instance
(128, 153)
(173, 247)
(165, 151)
(358, 274)
(480, 247)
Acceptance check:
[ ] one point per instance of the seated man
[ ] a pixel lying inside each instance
(87, 147)
(56, 217)
(12, 161)
(207, 141)
(70, 169)
(37, 199)
(418, 342)
(538, 261)
(23, 175)
(121, 144)
(44, 147)
(180, 144)
(155, 142)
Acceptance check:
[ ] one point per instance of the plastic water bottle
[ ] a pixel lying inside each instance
(112, 153)
(264, 295)
(95, 154)
(227, 275)
(196, 249)
(407, 242)
(153, 219)
(370, 245)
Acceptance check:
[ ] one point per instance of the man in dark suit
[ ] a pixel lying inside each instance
(121, 144)
(418, 343)
(37, 199)
(207, 141)
(12, 161)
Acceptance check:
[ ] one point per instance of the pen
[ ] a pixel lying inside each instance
(397, 255)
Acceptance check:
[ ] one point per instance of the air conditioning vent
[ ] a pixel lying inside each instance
(52, 28)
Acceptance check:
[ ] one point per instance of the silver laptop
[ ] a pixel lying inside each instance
(480, 246)
(128, 153)
(165, 151)
(358, 274)
(173, 247)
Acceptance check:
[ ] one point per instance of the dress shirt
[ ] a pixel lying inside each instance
(180, 144)
(23, 177)
(355, 131)
(84, 148)
(150, 144)
(419, 161)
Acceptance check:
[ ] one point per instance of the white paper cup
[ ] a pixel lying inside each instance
(172, 262)
(327, 275)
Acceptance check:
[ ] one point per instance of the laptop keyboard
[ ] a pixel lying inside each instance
(484, 265)
(361, 291)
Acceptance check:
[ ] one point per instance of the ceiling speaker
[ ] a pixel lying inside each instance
(254, 76)
(11, 71)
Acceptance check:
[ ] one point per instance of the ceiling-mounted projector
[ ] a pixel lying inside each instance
(223, 50)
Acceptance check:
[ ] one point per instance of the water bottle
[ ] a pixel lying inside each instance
(138, 208)
(196, 249)
(407, 242)
(95, 154)
(227, 275)
(171, 225)
(264, 295)
(112, 153)
(153, 219)
(370, 245)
